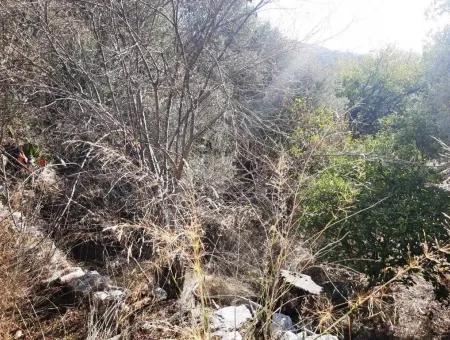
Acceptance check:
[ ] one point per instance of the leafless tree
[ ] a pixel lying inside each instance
(153, 71)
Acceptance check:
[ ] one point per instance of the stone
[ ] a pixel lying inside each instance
(288, 336)
(230, 318)
(113, 295)
(75, 274)
(116, 294)
(117, 337)
(233, 335)
(100, 296)
(18, 334)
(91, 281)
(47, 179)
(18, 221)
(301, 281)
(281, 322)
(159, 294)
(146, 326)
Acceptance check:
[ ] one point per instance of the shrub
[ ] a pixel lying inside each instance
(373, 198)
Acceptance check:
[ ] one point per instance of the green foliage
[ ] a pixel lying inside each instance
(373, 196)
(397, 212)
(317, 127)
(378, 86)
(31, 150)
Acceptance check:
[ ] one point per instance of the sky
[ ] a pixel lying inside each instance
(358, 26)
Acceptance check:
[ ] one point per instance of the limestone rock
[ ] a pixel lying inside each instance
(47, 179)
(113, 295)
(301, 281)
(305, 336)
(91, 281)
(233, 335)
(18, 335)
(230, 318)
(281, 322)
(288, 336)
(75, 274)
(159, 294)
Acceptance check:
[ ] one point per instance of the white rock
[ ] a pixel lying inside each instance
(116, 294)
(91, 281)
(46, 179)
(18, 220)
(159, 294)
(117, 337)
(301, 281)
(281, 322)
(100, 296)
(75, 274)
(306, 336)
(146, 326)
(322, 337)
(233, 335)
(230, 318)
(18, 334)
(289, 336)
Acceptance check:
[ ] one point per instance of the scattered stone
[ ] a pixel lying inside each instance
(62, 272)
(281, 322)
(230, 318)
(89, 282)
(301, 281)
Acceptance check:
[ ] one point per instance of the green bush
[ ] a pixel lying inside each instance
(373, 197)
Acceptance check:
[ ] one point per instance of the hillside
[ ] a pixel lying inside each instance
(180, 170)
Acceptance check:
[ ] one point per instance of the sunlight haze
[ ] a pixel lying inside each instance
(354, 25)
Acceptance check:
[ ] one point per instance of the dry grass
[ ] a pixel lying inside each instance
(26, 306)
(233, 252)
(13, 281)
(231, 242)
(22, 308)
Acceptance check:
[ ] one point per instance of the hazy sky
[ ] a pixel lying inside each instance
(354, 25)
